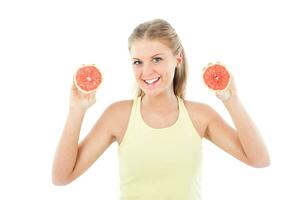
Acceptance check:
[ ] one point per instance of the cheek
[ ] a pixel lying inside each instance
(170, 73)
(136, 72)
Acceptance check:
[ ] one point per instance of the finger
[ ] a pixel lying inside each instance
(94, 92)
(92, 96)
(73, 86)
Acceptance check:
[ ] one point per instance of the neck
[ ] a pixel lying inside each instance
(161, 102)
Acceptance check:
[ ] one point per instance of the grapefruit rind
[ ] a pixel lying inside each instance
(75, 81)
(213, 64)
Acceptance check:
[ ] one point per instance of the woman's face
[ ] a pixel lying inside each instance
(153, 66)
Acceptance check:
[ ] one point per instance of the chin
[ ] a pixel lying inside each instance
(154, 93)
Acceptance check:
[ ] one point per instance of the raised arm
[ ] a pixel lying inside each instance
(244, 142)
(71, 159)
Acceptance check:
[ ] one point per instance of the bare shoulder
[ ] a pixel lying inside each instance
(120, 107)
(194, 106)
(119, 114)
(200, 114)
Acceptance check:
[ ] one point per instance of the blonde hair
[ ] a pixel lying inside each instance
(160, 30)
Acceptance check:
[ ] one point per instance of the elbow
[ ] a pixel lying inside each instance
(59, 180)
(261, 164)
(262, 160)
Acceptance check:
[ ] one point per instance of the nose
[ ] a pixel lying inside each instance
(147, 69)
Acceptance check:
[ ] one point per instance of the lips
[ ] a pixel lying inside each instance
(152, 81)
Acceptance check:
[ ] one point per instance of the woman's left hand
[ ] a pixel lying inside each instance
(230, 91)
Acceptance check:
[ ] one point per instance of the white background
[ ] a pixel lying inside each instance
(41, 42)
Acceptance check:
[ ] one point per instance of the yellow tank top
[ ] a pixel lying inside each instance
(160, 164)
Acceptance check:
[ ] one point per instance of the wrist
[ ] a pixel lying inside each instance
(77, 109)
(226, 95)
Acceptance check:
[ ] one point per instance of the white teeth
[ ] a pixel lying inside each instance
(151, 81)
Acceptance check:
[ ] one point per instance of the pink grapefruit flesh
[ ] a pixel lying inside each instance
(216, 77)
(87, 78)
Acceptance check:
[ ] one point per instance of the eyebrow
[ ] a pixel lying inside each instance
(151, 56)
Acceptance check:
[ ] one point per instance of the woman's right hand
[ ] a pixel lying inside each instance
(81, 100)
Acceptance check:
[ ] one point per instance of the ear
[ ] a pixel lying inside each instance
(179, 59)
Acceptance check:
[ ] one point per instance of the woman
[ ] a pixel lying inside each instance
(159, 132)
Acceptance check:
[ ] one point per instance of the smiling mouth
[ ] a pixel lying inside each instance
(152, 81)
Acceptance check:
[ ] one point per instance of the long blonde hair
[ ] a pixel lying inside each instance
(160, 30)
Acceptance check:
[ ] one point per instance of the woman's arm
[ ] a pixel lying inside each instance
(244, 142)
(248, 133)
(66, 152)
(72, 159)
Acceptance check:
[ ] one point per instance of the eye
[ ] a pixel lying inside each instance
(136, 62)
(157, 59)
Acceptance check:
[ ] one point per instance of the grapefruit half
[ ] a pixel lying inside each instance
(87, 78)
(216, 76)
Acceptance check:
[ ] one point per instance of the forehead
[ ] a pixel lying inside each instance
(147, 48)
